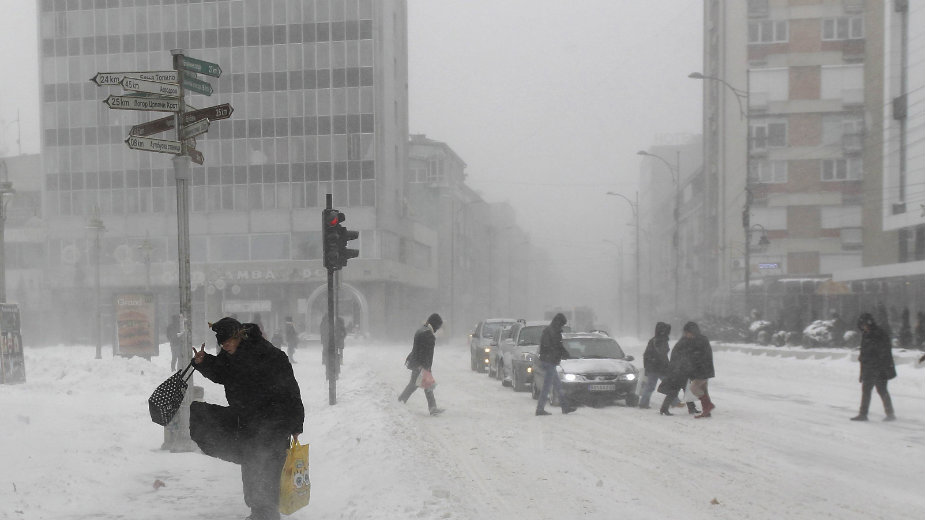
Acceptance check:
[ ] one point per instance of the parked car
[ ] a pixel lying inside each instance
(516, 354)
(494, 356)
(597, 371)
(484, 339)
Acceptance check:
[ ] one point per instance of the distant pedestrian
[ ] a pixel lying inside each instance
(838, 330)
(422, 358)
(905, 330)
(552, 352)
(292, 339)
(877, 366)
(174, 334)
(655, 361)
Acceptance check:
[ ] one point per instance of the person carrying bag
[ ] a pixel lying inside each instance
(165, 402)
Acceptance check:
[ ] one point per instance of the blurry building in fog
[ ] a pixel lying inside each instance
(791, 96)
(319, 90)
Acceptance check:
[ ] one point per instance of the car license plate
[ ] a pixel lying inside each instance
(602, 388)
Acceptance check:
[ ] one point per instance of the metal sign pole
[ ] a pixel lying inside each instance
(332, 323)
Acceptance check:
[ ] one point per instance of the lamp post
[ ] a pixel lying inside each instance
(635, 208)
(744, 113)
(676, 178)
(96, 229)
(6, 193)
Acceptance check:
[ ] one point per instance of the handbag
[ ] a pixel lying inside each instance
(295, 488)
(426, 380)
(168, 396)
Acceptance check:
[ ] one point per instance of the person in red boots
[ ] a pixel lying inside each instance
(701, 366)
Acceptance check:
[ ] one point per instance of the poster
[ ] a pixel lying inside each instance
(12, 363)
(136, 324)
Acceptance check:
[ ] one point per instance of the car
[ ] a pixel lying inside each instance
(597, 371)
(516, 354)
(495, 355)
(484, 339)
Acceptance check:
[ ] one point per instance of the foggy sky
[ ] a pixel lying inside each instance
(547, 101)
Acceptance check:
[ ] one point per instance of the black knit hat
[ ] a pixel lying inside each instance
(225, 328)
(691, 327)
(435, 321)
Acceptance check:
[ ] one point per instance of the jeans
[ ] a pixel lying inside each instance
(550, 378)
(647, 389)
(880, 384)
(413, 385)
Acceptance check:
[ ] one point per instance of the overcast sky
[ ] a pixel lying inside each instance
(547, 101)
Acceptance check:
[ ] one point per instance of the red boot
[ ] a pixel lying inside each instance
(707, 405)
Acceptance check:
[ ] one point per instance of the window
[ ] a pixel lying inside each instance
(844, 28)
(841, 169)
(768, 134)
(769, 172)
(768, 31)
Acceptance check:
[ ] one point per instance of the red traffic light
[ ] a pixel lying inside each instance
(332, 217)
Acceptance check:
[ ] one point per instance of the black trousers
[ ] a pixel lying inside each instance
(880, 384)
(412, 386)
(262, 464)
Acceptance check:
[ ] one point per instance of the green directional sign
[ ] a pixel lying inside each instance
(194, 84)
(200, 66)
(192, 130)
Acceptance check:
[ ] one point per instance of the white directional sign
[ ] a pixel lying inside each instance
(152, 87)
(143, 103)
(115, 78)
(150, 144)
(197, 128)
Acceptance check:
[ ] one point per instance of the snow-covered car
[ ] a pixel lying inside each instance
(596, 372)
(517, 353)
(484, 339)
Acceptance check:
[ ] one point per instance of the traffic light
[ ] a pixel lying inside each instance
(345, 253)
(331, 230)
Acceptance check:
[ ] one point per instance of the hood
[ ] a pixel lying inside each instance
(558, 321)
(692, 328)
(662, 329)
(596, 366)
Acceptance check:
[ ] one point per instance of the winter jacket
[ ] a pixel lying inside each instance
(259, 385)
(422, 352)
(655, 358)
(675, 378)
(876, 355)
(551, 349)
(700, 358)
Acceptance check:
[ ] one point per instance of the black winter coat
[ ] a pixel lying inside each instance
(655, 358)
(261, 390)
(422, 353)
(876, 356)
(701, 358)
(551, 348)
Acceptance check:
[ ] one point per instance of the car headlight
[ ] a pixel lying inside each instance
(626, 377)
(570, 377)
(487, 350)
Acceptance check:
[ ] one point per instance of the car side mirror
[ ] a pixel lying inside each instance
(629, 358)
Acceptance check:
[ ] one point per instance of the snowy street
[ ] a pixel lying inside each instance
(76, 442)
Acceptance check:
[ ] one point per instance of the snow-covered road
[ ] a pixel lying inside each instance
(76, 442)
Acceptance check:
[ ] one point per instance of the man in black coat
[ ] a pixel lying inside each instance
(701, 366)
(686, 358)
(552, 352)
(264, 410)
(877, 366)
(655, 361)
(422, 358)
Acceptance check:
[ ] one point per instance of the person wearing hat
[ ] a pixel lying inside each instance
(292, 339)
(700, 356)
(552, 352)
(264, 410)
(422, 358)
(877, 367)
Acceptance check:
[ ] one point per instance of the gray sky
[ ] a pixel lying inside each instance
(546, 100)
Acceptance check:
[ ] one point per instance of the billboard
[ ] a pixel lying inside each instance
(136, 324)
(12, 364)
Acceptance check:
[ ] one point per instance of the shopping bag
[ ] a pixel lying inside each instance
(689, 396)
(167, 397)
(295, 488)
(426, 380)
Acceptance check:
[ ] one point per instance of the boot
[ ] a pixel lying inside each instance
(692, 409)
(665, 404)
(859, 417)
(707, 407)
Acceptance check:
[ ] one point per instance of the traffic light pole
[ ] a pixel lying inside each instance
(332, 325)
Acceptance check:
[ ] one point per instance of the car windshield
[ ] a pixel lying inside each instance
(490, 329)
(530, 335)
(593, 348)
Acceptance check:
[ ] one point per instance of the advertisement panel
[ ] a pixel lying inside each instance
(12, 364)
(136, 324)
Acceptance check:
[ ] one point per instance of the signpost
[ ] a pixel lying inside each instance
(164, 91)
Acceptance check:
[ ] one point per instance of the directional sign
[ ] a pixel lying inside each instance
(153, 127)
(192, 83)
(200, 66)
(152, 87)
(196, 156)
(143, 103)
(215, 113)
(149, 144)
(115, 78)
(192, 130)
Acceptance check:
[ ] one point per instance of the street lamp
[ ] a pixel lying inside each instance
(635, 208)
(676, 178)
(744, 113)
(96, 228)
(6, 193)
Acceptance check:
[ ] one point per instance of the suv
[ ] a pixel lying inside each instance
(513, 362)
(597, 371)
(484, 339)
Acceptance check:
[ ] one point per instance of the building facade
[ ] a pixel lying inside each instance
(320, 97)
